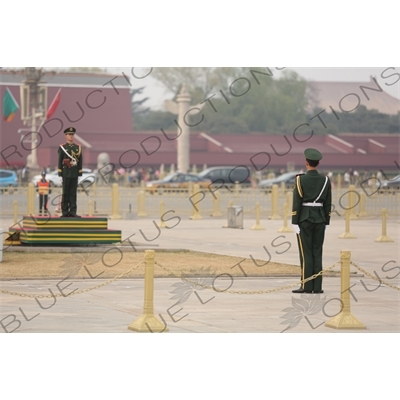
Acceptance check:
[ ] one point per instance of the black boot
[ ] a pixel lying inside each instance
(301, 290)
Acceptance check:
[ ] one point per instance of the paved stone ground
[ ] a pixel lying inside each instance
(185, 308)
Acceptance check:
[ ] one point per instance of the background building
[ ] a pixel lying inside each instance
(99, 106)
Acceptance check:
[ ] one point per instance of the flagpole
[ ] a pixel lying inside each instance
(50, 107)
(33, 78)
(34, 162)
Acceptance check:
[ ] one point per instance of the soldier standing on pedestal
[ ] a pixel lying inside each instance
(311, 213)
(69, 168)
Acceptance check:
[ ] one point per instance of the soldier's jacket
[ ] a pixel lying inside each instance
(306, 190)
(76, 152)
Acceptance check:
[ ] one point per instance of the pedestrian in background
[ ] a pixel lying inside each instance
(44, 191)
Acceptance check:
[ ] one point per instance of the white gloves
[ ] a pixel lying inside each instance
(297, 228)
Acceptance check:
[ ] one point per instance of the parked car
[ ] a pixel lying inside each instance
(227, 175)
(391, 184)
(288, 178)
(176, 180)
(8, 180)
(88, 178)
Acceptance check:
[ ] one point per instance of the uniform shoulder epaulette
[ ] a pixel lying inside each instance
(298, 184)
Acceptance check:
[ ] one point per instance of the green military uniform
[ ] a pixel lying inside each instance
(69, 168)
(312, 202)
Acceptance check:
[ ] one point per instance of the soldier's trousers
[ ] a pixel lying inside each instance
(310, 242)
(68, 204)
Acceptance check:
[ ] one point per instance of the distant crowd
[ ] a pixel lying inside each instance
(134, 177)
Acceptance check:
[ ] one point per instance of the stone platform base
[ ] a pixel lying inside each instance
(59, 230)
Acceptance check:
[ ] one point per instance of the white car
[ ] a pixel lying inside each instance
(288, 178)
(88, 178)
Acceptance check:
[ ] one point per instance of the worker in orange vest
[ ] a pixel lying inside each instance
(44, 191)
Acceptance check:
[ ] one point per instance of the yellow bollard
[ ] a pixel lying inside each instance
(289, 201)
(347, 234)
(15, 204)
(216, 205)
(162, 223)
(285, 227)
(126, 180)
(361, 210)
(148, 322)
(274, 202)
(190, 189)
(94, 189)
(236, 188)
(115, 202)
(31, 199)
(141, 201)
(345, 320)
(257, 226)
(384, 237)
(339, 181)
(196, 202)
(352, 201)
(283, 188)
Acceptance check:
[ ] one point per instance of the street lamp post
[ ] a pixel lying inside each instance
(34, 102)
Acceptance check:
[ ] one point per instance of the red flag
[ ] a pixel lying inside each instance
(54, 104)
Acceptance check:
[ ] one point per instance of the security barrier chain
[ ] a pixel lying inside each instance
(41, 296)
(249, 291)
(181, 276)
(374, 277)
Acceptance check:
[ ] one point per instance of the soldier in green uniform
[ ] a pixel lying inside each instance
(312, 202)
(69, 168)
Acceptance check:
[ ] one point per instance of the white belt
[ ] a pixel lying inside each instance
(313, 204)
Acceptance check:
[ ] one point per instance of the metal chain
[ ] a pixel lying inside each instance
(374, 277)
(249, 291)
(370, 218)
(41, 296)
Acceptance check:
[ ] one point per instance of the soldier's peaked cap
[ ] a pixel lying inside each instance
(70, 131)
(312, 154)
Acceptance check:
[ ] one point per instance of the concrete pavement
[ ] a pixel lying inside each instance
(184, 307)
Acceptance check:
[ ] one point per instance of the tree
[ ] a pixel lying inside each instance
(201, 81)
(252, 99)
(154, 121)
(238, 100)
(137, 105)
(361, 120)
(259, 104)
